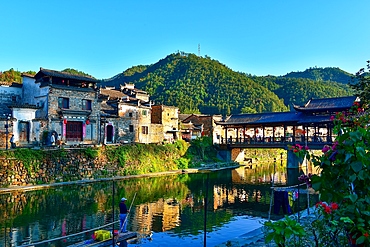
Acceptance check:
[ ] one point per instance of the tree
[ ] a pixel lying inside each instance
(361, 84)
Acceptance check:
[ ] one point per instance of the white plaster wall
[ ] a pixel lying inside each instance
(29, 90)
(23, 114)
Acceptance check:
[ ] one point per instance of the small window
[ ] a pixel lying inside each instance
(143, 112)
(130, 114)
(14, 98)
(63, 103)
(131, 127)
(145, 130)
(86, 104)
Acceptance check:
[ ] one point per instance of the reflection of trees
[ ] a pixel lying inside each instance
(174, 203)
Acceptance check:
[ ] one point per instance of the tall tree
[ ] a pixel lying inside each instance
(361, 84)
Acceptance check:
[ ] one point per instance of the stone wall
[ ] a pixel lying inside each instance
(57, 166)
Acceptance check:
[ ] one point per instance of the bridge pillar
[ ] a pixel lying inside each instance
(292, 160)
(233, 154)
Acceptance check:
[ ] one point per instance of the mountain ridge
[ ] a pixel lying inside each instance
(221, 90)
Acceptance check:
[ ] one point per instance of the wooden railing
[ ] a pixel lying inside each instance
(314, 141)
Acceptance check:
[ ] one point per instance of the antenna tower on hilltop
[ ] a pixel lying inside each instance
(198, 49)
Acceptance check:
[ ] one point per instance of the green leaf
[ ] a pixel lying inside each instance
(352, 177)
(360, 240)
(316, 186)
(356, 166)
(348, 157)
(353, 197)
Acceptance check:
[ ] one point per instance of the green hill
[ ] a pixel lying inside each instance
(202, 85)
(323, 74)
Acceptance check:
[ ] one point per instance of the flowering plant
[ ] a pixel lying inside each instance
(345, 172)
(328, 228)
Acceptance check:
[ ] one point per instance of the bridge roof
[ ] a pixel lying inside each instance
(328, 104)
(258, 119)
(315, 111)
(316, 119)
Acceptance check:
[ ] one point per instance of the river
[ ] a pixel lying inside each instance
(166, 210)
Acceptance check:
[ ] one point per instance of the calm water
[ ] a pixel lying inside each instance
(167, 210)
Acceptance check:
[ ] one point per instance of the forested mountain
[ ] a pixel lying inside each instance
(323, 74)
(203, 85)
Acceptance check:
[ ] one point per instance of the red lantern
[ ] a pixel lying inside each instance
(87, 121)
(65, 121)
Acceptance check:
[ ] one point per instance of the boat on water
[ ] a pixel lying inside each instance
(117, 238)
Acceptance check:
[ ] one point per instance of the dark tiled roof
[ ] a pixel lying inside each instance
(10, 84)
(113, 94)
(308, 119)
(27, 75)
(262, 118)
(25, 106)
(182, 117)
(65, 87)
(64, 75)
(328, 104)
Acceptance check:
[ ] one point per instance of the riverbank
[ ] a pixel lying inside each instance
(204, 168)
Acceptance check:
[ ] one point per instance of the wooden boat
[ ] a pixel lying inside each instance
(108, 242)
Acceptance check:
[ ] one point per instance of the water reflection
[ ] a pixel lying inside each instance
(165, 209)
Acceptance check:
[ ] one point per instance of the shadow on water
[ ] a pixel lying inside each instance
(166, 209)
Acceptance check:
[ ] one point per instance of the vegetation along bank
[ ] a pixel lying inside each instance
(22, 167)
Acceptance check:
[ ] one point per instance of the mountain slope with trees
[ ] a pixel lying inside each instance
(323, 74)
(203, 85)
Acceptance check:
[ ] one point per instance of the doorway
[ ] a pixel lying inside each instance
(74, 131)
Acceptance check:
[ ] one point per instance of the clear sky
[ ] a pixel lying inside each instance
(260, 37)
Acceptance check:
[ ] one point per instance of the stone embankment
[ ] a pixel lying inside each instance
(67, 166)
(57, 166)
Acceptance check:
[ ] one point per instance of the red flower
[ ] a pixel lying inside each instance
(334, 206)
(366, 234)
(327, 210)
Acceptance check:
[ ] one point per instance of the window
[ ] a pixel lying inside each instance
(63, 103)
(130, 114)
(131, 128)
(86, 104)
(145, 130)
(143, 112)
(14, 98)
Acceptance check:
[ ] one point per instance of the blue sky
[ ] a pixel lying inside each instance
(260, 37)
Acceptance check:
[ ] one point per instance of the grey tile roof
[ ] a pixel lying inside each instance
(262, 118)
(302, 115)
(327, 104)
(64, 75)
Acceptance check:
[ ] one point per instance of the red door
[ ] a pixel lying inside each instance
(74, 131)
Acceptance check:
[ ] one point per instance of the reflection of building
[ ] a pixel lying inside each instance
(160, 216)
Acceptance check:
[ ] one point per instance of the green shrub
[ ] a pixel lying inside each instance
(182, 163)
(91, 153)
